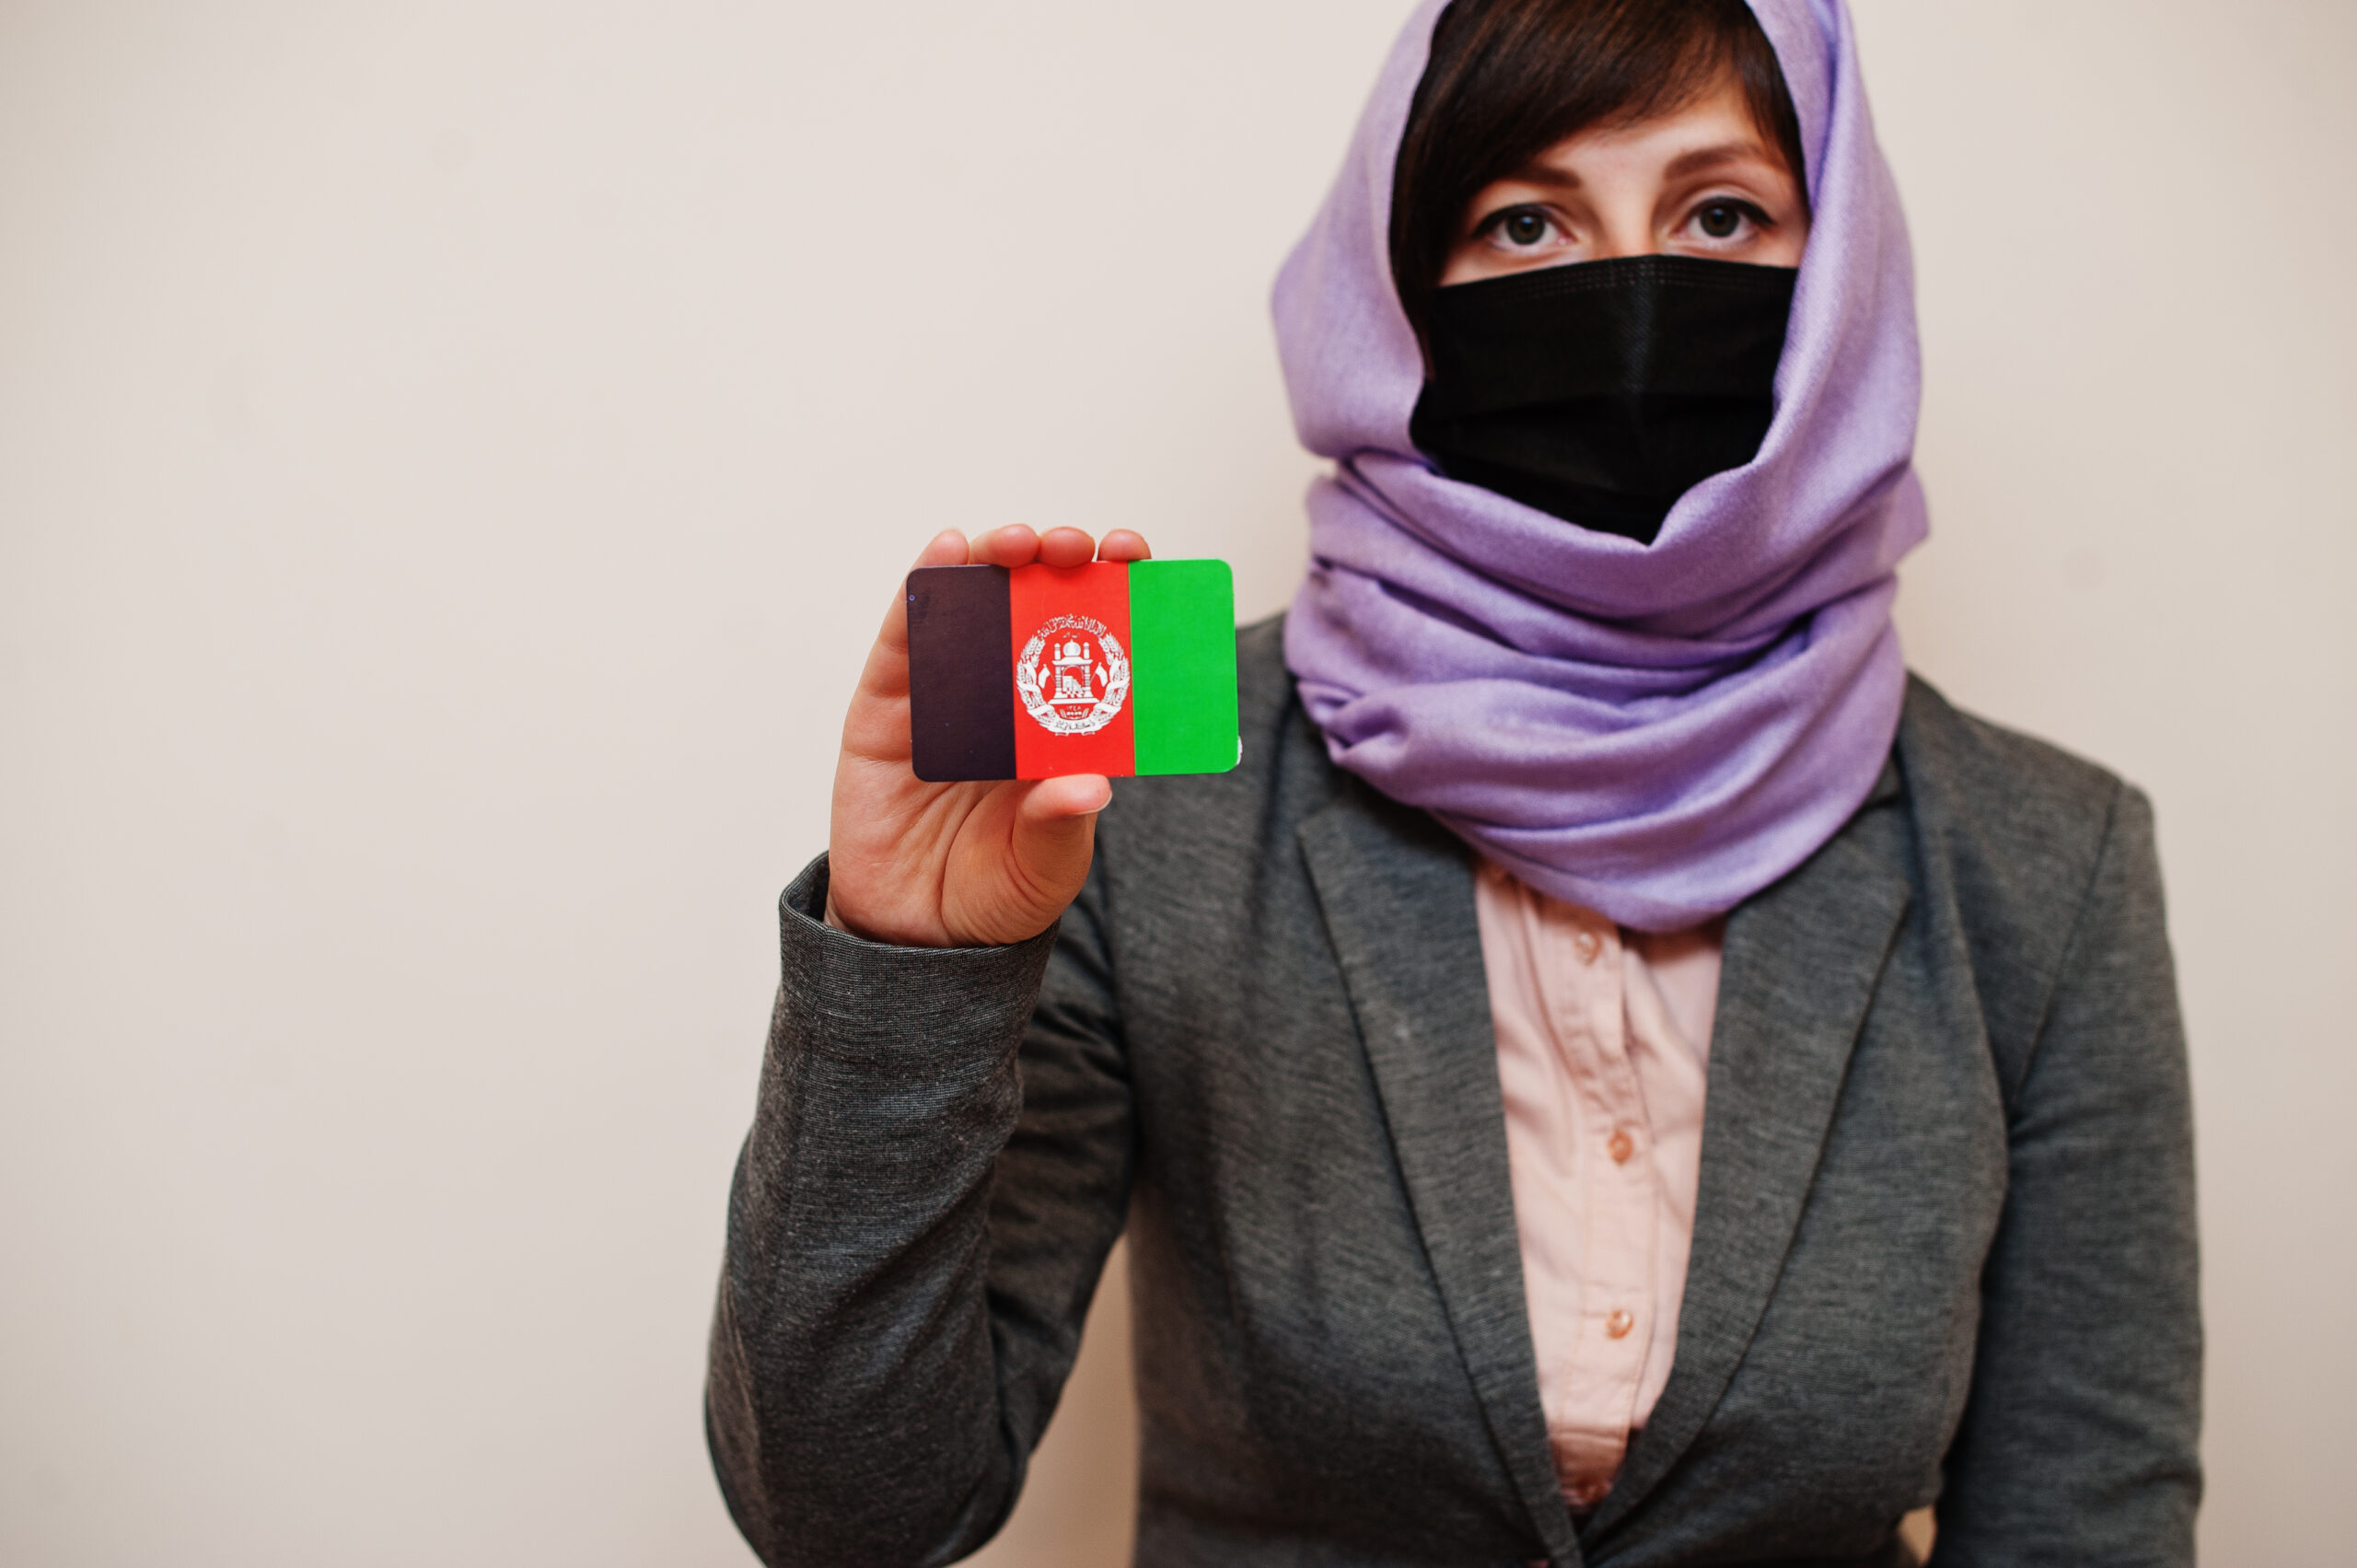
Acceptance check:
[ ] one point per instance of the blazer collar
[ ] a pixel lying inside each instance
(1800, 967)
(1397, 892)
(1801, 962)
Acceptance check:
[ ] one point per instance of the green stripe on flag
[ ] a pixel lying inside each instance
(1182, 657)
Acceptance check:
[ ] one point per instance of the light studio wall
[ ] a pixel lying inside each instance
(453, 458)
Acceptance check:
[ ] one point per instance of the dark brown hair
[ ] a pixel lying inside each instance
(1509, 79)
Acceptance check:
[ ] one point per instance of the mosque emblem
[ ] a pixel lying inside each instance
(1072, 676)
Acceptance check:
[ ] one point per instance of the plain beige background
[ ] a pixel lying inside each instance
(453, 457)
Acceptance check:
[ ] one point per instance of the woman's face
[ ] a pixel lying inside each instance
(1701, 181)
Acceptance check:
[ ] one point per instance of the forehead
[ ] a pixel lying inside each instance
(1718, 121)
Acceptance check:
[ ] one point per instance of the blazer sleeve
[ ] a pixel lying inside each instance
(2079, 1443)
(939, 1163)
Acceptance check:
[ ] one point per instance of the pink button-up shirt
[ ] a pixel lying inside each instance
(1604, 1041)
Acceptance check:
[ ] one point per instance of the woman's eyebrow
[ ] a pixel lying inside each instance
(1702, 158)
(1543, 174)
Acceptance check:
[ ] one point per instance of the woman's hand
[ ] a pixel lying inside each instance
(955, 864)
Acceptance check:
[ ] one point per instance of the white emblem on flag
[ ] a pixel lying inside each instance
(1073, 676)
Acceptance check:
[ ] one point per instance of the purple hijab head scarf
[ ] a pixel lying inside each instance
(1653, 731)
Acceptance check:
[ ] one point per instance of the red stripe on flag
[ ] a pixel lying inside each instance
(1070, 629)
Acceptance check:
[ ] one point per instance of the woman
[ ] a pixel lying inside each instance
(1619, 1073)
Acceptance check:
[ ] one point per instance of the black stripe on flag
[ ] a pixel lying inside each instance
(961, 674)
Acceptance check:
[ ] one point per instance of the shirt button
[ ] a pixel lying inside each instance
(1587, 945)
(1620, 1145)
(1620, 1323)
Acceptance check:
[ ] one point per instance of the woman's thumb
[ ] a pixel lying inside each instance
(1055, 831)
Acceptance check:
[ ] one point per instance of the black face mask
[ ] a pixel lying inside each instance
(1604, 390)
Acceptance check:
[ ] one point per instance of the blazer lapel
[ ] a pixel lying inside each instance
(1800, 963)
(1397, 892)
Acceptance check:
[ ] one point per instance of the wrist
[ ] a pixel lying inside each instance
(832, 917)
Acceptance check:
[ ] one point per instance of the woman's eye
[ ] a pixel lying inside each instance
(1723, 220)
(1524, 227)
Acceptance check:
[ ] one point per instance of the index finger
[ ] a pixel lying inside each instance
(1013, 545)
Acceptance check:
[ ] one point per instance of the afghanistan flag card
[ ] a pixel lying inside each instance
(1118, 667)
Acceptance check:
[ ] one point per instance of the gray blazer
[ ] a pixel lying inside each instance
(1944, 1247)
